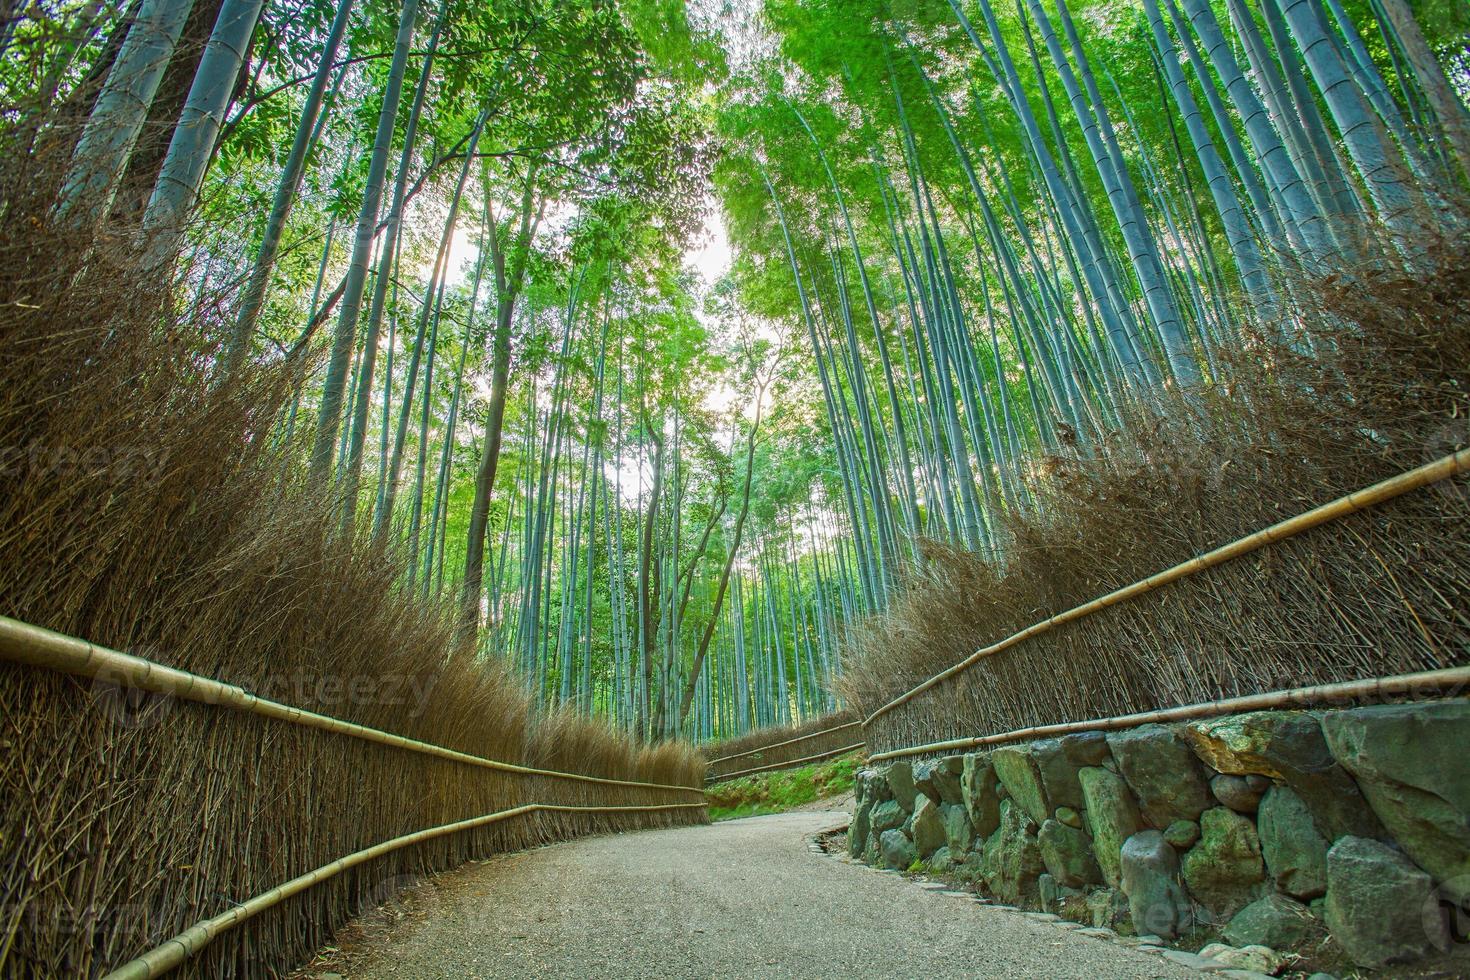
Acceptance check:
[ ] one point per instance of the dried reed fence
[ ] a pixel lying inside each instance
(147, 504)
(782, 745)
(1425, 684)
(26, 644)
(1379, 592)
(796, 763)
(179, 949)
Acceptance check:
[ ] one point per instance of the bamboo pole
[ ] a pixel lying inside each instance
(1376, 688)
(187, 944)
(23, 643)
(789, 741)
(789, 764)
(1441, 469)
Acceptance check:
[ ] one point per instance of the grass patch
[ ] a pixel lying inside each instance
(778, 792)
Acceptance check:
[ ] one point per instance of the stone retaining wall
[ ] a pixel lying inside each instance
(1344, 832)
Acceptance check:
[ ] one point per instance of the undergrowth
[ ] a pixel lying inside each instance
(778, 792)
(781, 743)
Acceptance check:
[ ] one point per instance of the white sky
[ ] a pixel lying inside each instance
(710, 256)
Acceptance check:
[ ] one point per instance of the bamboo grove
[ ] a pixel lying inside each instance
(1006, 224)
(459, 229)
(968, 238)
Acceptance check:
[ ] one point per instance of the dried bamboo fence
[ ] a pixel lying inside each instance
(1452, 681)
(1434, 681)
(790, 763)
(1122, 656)
(345, 815)
(784, 747)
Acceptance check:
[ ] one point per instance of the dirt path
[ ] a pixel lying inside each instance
(743, 898)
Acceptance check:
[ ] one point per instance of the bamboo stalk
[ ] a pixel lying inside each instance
(1441, 469)
(1378, 687)
(789, 741)
(791, 763)
(187, 944)
(23, 643)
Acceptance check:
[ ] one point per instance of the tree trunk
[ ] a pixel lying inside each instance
(335, 385)
(646, 589)
(192, 145)
(1448, 108)
(111, 133)
(714, 616)
(252, 297)
(507, 290)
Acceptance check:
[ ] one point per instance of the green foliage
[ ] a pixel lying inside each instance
(778, 792)
(970, 239)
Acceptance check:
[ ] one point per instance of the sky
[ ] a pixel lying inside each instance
(710, 255)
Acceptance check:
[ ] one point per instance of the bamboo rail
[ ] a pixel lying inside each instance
(1377, 687)
(789, 764)
(1441, 469)
(23, 643)
(187, 944)
(789, 741)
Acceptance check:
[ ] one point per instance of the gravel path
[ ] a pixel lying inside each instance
(743, 898)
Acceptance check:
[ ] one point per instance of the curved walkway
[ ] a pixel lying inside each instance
(744, 898)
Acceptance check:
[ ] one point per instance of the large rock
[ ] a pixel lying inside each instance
(857, 831)
(1377, 902)
(1412, 764)
(1067, 853)
(941, 861)
(1240, 793)
(1288, 745)
(1055, 897)
(1254, 960)
(1019, 775)
(978, 786)
(1150, 879)
(924, 779)
(1182, 834)
(1162, 772)
(1112, 817)
(886, 816)
(871, 785)
(1087, 749)
(1107, 908)
(1267, 743)
(1224, 871)
(1295, 853)
(928, 829)
(1275, 921)
(946, 778)
(878, 785)
(1013, 857)
(900, 779)
(897, 850)
(974, 868)
(959, 834)
(1058, 773)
